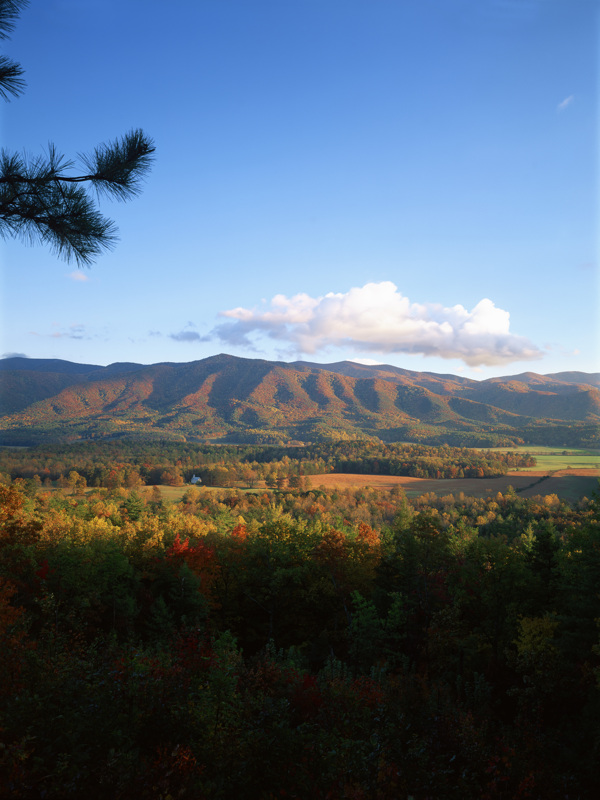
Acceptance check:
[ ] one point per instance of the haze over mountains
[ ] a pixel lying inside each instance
(225, 398)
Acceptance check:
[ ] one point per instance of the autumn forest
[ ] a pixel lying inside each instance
(258, 636)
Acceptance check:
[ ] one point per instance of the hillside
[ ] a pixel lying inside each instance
(224, 398)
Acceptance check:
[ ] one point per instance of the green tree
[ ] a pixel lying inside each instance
(43, 200)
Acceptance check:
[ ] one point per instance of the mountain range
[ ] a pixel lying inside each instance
(229, 399)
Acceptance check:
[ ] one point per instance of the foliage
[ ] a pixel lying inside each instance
(345, 644)
(132, 463)
(41, 200)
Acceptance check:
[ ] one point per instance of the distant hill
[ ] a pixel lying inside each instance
(224, 398)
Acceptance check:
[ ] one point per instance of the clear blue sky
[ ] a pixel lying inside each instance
(407, 181)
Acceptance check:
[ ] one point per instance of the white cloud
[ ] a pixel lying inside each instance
(565, 103)
(368, 362)
(78, 275)
(377, 318)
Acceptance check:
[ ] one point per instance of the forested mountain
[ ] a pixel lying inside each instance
(224, 398)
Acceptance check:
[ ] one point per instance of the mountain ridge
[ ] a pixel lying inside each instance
(226, 397)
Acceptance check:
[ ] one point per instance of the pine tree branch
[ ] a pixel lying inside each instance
(9, 13)
(11, 82)
(40, 201)
(119, 168)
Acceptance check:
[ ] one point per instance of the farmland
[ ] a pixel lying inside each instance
(569, 475)
(551, 459)
(568, 485)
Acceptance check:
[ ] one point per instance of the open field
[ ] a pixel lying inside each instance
(172, 494)
(550, 459)
(568, 485)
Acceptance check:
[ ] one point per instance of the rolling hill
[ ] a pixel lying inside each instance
(229, 399)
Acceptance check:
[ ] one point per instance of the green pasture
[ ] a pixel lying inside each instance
(551, 459)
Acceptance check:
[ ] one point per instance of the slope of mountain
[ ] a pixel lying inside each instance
(235, 399)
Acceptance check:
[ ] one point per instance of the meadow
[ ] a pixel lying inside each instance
(551, 459)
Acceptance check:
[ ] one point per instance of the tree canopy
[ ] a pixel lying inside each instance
(45, 199)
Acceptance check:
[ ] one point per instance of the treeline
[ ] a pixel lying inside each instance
(344, 644)
(133, 464)
(419, 461)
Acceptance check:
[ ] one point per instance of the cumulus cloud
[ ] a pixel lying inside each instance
(187, 335)
(377, 318)
(368, 362)
(565, 103)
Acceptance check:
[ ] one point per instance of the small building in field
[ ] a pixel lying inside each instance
(195, 479)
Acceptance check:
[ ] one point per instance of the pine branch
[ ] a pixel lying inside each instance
(118, 169)
(9, 13)
(11, 82)
(40, 201)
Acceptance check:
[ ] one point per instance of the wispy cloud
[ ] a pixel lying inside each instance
(564, 104)
(78, 275)
(76, 331)
(377, 318)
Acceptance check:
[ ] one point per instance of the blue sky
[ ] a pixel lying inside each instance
(411, 182)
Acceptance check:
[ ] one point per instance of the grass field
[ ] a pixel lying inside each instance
(172, 494)
(550, 459)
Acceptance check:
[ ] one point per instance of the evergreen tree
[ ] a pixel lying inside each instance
(42, 200)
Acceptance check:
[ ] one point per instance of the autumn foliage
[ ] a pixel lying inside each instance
(308, 644)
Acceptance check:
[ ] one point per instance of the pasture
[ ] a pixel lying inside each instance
(551, 459)
(570, 486)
